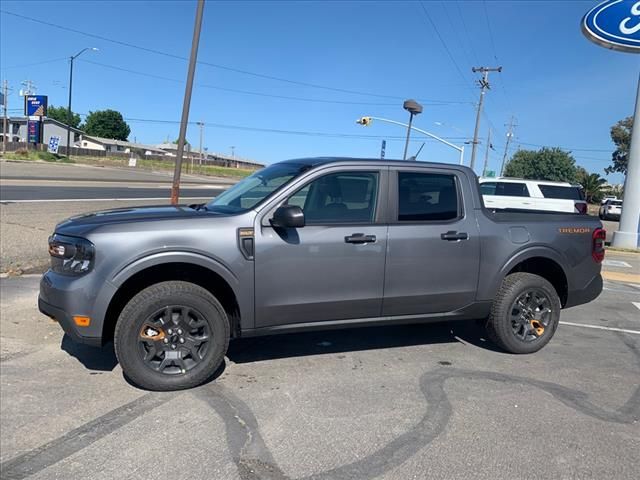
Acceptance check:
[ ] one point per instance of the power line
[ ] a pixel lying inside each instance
(34, 64)
(200, 62)
(495, 55)
(262, 94)
(446, 48)
(466, 31)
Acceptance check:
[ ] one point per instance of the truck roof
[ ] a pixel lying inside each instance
(316, 161)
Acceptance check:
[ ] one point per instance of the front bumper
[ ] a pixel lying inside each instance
(63, 296)
(585, 295)
(66, 322)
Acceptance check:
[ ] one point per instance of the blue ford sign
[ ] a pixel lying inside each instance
(614, 24)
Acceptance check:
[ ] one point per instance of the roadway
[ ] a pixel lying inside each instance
(22, 182)
(35, 196)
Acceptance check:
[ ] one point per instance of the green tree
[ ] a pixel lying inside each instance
(545, 164)
(621, 136)
(107, 124)
(60, 114)
(592, 184)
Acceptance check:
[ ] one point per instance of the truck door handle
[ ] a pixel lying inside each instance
(452, 235)
(360, 238)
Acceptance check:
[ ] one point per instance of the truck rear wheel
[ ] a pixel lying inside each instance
(525, 313)
(171, 335)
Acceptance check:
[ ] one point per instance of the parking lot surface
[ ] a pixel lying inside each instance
(421, 401)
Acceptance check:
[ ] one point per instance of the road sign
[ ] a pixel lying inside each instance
(54, 142)
(35, 105)
(614, 24)
(382, 149)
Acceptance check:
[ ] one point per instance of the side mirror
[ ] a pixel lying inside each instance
(288, 216)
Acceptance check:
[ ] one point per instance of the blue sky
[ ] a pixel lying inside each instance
(562, 89)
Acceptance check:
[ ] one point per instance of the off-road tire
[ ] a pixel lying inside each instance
(499, 329)
(143, 304)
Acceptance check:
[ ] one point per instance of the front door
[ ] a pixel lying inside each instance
(333, 267)
(434, 250)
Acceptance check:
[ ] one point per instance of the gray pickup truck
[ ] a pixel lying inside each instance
(314, 244)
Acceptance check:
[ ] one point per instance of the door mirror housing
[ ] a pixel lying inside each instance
(288, 216)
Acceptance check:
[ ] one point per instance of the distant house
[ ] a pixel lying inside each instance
(17, 131)
(111, 145)
(211, 158)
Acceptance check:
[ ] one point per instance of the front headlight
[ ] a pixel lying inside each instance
(71, 255)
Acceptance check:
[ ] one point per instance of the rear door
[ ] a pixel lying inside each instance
(433, 250)
(560, 198)
(333, 267)
(507, 195)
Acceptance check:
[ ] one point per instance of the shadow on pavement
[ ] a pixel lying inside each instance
(255, 349)
(246, 350)
(93, 358)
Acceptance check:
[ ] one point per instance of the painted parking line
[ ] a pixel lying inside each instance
(636, 304)
(600, 327)
(621, 277)
(615, 263)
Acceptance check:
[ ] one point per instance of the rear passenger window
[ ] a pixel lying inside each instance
(557, 191)
(346, 197)
(511, 189)
(426, 196)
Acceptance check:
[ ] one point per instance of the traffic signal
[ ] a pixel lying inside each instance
(366, 121)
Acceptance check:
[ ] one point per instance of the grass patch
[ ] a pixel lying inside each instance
(37, 155)
(168, 165)
(123, 162)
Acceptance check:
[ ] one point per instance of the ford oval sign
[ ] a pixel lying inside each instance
(614, 24)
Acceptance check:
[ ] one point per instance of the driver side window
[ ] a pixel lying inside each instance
(345, 197)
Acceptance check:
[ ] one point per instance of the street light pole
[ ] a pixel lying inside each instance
(175, 188)
(414, 108)
(366, 121)
(71, 59)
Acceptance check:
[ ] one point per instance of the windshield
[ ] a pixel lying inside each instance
(247, 193)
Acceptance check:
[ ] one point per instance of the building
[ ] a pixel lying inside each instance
(111, 145)
(210, 158)
(17, 131)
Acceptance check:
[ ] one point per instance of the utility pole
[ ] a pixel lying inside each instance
(175, 188)
(506, 146)
(5, 105)
(484, 86)
(486, 154)
(201, 125)
(71, 59)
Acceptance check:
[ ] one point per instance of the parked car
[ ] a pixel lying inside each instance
(314, 244)
(607, 197)
(533, 195)
(611, 210)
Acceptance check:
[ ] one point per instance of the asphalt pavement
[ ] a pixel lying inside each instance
(406, 402)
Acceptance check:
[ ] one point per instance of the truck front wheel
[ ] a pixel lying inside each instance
(525, 313)
(171, 335)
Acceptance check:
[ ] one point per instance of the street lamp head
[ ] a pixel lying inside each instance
(366, 121)
(412, 106)
(95, 49)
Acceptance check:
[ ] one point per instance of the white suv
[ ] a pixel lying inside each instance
(611, 210)
(542, 195)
